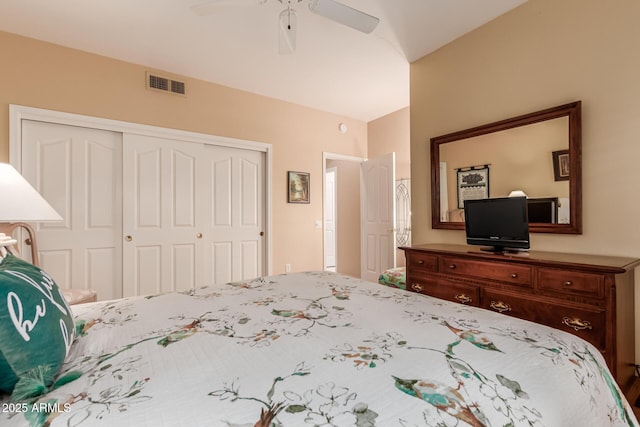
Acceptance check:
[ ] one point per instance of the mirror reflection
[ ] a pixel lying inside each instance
(536, 155)
(525, 168)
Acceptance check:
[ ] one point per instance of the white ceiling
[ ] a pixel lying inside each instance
(335, 68)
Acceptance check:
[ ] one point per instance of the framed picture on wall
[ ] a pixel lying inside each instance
(298, 187)
(473, 183)
(561, 165)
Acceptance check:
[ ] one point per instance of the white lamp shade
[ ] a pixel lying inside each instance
(517, 193)
(19, 201)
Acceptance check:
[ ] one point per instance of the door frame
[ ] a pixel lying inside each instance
(334, 156)
(17, 113)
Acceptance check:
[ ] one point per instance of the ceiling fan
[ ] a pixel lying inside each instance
(330, 9)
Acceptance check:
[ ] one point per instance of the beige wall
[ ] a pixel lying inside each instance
(391, 133)
(541, 54)
(43, 75)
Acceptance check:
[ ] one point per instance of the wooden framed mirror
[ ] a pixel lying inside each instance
(538, 154)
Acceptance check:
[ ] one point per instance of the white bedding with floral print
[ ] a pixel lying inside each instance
(320, 349)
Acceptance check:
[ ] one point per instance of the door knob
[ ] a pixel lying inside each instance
(199, 235)
(262, 233)
(128, 238)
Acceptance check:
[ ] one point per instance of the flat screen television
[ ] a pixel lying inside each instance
(500, 224)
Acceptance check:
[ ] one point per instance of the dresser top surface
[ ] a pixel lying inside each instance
(614, 264)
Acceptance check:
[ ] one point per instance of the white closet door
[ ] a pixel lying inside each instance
(234, 243)
(378, 217)
(78, 171)
(162, 215)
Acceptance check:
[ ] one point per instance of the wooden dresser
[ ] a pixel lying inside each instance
(587, 295)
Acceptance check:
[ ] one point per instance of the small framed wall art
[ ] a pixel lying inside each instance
(561, 165)
(298, 187)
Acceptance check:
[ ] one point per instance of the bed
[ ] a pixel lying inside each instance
(318, 349)
(394, 277)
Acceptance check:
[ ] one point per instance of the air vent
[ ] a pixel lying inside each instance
(177, 87)
(165, 84)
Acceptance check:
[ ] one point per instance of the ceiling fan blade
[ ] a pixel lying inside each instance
(216, 6)
(344, 14)
(287, 26)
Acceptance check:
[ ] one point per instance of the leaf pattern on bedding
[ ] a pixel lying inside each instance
(231, 391)
(326, 404)
(369, 352)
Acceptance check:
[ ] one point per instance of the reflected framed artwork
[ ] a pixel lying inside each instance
(298, 187)
(473, 183)
(561, 165)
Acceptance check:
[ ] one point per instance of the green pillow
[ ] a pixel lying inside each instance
(36, 324)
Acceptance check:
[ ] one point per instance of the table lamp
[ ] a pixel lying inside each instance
(20, 203)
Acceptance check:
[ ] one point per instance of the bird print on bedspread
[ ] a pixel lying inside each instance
(442, 397)
(473, 336)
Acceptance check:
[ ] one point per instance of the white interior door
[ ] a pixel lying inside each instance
(162, 215)
(378, 216)
(330, 219)
(78, 171)
(234, 240)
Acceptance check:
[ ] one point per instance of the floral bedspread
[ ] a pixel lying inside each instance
(320, 349)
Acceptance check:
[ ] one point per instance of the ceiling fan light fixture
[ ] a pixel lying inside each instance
(287, 27)
(345, 15)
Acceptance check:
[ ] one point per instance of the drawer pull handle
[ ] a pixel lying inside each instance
(420, 261)
(464, 299)
(567, 283)
(416, 287)
(452, 266)
(514, 275)
(576, 324)
(500, 306)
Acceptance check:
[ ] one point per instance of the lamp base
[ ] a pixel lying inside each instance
(9, 227)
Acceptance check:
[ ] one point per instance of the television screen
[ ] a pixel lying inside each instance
(500, 223)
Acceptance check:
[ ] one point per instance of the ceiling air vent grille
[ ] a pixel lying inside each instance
(165, 84)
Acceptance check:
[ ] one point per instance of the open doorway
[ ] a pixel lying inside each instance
(359, 215)
(341, 231)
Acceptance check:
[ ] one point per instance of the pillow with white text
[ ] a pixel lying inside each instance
(36, 326)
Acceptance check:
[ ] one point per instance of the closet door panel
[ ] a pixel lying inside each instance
(184, 189)
(234, 239)
(163, 211)
(78, 170)
(249, 192)
(147, 199)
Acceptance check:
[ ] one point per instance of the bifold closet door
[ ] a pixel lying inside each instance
(79, 172)
(234, 241)
(164, 202)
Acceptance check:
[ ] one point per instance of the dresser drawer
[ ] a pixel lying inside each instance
(448, 290)
(419, 262)
(585, 323)
(502, 271)
(570, 282)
